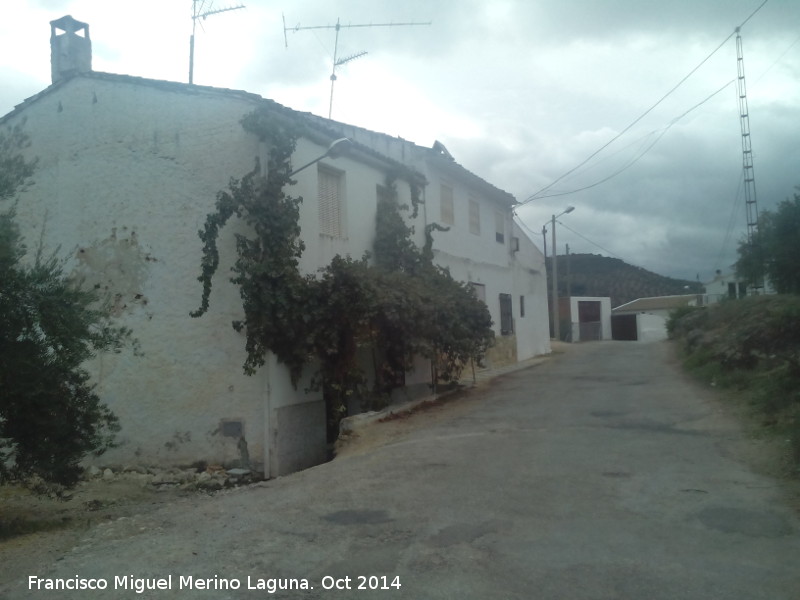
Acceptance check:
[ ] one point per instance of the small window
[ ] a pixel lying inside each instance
(330, 203)
(480, 291)
(499, 227)
(506, 315)
(474, 217)
(446, 199)
(231, 428)
(522, 306)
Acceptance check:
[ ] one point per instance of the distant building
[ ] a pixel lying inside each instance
(645, 319)
(587, 318)
(725, 286)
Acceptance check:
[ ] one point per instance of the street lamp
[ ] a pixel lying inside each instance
(554, 307)
(335, 150)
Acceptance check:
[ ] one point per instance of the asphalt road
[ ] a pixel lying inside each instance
(603, 474)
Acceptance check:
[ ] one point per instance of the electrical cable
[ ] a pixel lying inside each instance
(777, 60)
(645, 151)
(535, 195)
(593, 243)
(735, 209)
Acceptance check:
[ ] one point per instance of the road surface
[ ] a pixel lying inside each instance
(602, 474)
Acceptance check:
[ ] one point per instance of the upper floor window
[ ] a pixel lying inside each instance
(499, 227)
(331, 221)
(480, 291)
(446, 200)
(474, 217)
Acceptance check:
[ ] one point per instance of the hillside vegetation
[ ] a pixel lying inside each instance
(595, 275)
(750, 347)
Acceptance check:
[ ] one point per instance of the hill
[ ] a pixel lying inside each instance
(595, 275)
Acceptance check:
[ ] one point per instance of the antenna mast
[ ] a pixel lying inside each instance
(199, 13)
(747, 159)
(338, 62)
(747, 150)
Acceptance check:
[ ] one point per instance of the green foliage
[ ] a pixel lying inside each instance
(50, 417)
(774, 251)
(14, 168)
(676, 319)
(444, 321)
(394, 308)
(266, 270)
(751, 345)
(394, 248)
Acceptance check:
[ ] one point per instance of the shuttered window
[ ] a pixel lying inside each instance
(330, 203)
(480, 291)
(474, 217)
(499, 227)
(446, 199)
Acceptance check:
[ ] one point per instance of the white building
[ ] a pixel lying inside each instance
(129, 168)
(725, 286)
(482, 245)
(648, 316)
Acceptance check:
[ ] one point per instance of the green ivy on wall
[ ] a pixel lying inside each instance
(392, 306)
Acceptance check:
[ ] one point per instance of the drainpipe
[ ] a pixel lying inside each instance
(267, 411)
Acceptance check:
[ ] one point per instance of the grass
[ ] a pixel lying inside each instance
(751, 349)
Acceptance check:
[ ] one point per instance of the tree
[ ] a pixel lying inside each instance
(774, 251)
(50, 417)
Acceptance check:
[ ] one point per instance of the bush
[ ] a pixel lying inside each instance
(751, 345)
(50, 417)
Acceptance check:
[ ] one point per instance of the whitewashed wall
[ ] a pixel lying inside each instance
(128, 171)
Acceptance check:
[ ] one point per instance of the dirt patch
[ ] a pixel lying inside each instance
(36, 530)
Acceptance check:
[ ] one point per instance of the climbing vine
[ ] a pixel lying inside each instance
(389, 307)
(272, 289)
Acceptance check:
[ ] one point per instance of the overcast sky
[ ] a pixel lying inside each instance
(521, 92)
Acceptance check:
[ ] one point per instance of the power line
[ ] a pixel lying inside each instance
(645, 151)
(648, 111)
(777, 60)
(731, 221)
(583, 237)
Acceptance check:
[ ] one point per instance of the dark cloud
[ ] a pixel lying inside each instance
(523, 91)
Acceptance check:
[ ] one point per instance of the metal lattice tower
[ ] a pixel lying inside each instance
(747, 149)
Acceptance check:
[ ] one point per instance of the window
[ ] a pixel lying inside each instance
(330, 202)
(499, 227)
(480, 291)
(474, 217)
(446, 200)
(522, 306)
(506, 315)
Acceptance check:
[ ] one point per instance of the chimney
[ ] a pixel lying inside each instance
(70, 51)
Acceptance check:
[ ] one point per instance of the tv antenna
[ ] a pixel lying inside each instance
(338, 62)
(199, 12)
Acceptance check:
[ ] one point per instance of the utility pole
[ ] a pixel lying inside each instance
(338, 62)
(556, 309)
(556, 313)
(199, 13)
(569, 281)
